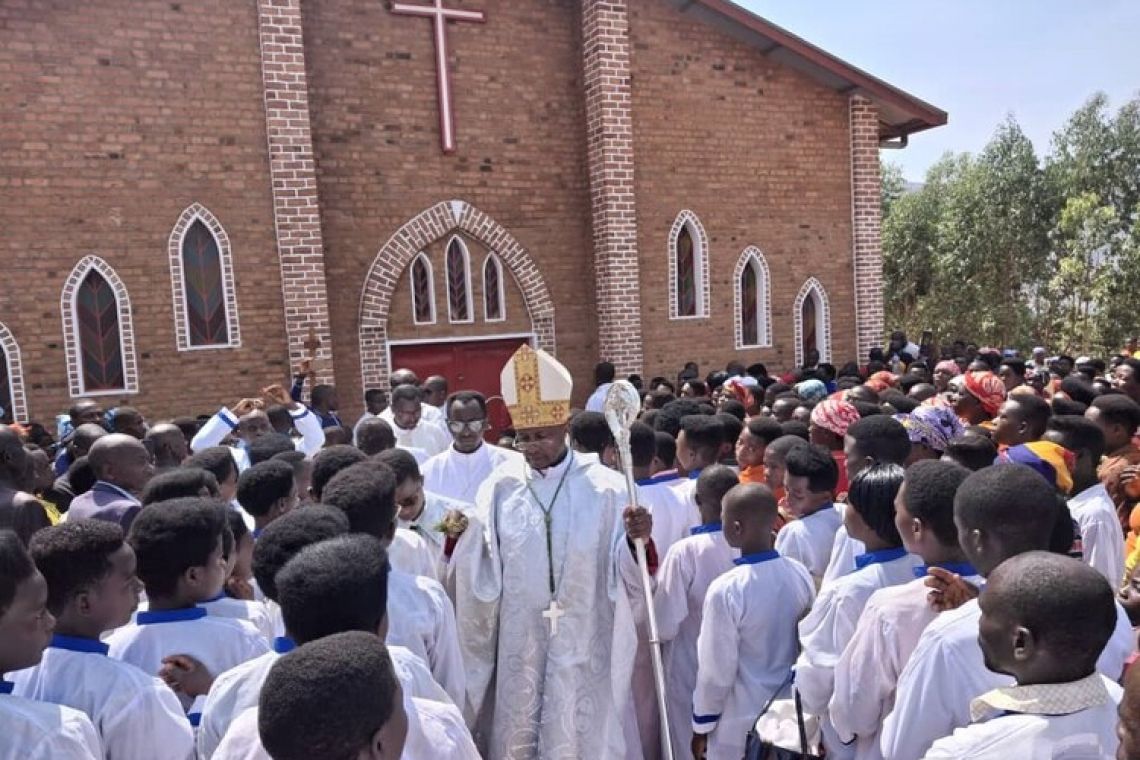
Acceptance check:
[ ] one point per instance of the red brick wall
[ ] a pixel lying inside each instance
(866, 213)
(762, 155)
(117, 116)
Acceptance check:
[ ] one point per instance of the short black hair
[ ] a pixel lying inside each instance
(333, 586)
(703, 432)
(1062, 405)
(796, 428)
(882, 438)
(666, 448)
(929, 496)
(872, 495)
(1078, 389)
(322, 393)
(718, 478)
(1015, 364)
(328, 698)
(328, 462)
(403, 464)
(73, 556)
(237, 531)
(16, 566)
(406, 393)
(376, 394)
(465, 397)
(1079, 435)
(866, 408)
(764, 428)
(81, 476)
(902, 403)
(1011, 501)
(218, 460)
(263, 485)
(670, 415)
(589, 431)
(292, 458)
(642, 444)
(604, 372)
(734, 408)
(289, 534)
(374, 435)
(1035, 411)
(279, 418)
(1118, 409)
(268, 446)
(814, 463)
(179, 482)
(783, 445)
(972, 451)
(1064, 602)
(366, 493)
(730, 427)
(699, 387)
(170, 539)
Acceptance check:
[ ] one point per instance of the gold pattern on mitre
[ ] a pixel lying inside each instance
(536, 389)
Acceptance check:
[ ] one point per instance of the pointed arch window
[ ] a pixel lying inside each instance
(202, 280)
(423, 291)
(13, 406)
(458, 263)
(494, 306)
(812, 315)
(7, 409)
(688, 268)
(753, 299)
(98, 331)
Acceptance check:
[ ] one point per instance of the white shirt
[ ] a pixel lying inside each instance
(1086, 733)
(747, 645)
(135, 714)
(34, 730)
(597, 400)
(1102, 541)
(844, 550)
(429, 434)
(458, 476)
(241, 609)
(242, 741)
(809, 539)
(946, 671)
(215, 430)
(410, 553)
(869, 667)
(431, 541)
(673, 513)
(828, 627)
(421, 618)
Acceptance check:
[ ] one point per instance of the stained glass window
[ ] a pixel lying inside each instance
(204, 287)
(810, 340)
(493, 308)
(100, 344)
(458, 285)
(749, 306)
(423, 307)
(686, 274)
(6, 412)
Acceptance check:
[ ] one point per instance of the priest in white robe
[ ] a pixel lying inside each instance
(545, 619)
(459, 471)
(413, 430)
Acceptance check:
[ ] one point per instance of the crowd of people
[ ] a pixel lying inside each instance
(918, 557)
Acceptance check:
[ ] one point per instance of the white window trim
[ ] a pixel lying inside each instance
(813, 289)
(197, 212)
(11, 349)
(466, 278)
(493, 260)
(754, 257)
(421, 256)
(689, 220)
(70, 323)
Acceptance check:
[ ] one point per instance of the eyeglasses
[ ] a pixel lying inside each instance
(473, 426)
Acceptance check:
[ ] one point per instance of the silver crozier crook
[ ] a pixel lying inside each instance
(622, 405)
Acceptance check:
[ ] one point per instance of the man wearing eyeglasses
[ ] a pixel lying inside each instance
(458, 472)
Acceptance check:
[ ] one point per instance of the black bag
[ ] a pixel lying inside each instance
(756, 748)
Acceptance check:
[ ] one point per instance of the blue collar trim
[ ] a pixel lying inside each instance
(78, 644)
(697, 530)
(170, 616)
(256, 533)
(755, 559)
(694, 474)
(221, 595)
(964, 569)
(661, 477)
(6, 687)
(876, 558)
(284, 645)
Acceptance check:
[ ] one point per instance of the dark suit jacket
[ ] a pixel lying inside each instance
(104, 502)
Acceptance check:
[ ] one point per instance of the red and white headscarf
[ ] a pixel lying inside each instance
(987, 388)
(835, 415)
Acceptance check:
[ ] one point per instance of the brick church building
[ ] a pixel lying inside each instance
(198, 193)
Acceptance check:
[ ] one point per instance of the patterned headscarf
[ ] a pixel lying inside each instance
(949, 365)
(811, 390)
(987, 388)
(933, 426)
(880, 381)
(835, 416)
(1053, 462)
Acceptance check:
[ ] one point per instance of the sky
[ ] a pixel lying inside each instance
(979, 60)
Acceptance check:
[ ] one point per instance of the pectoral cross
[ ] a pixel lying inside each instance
(552, 613)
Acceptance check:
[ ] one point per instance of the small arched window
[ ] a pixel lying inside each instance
(458, 282)
(423, 291)
(100, 339)
(12, 403)
(688, 268)
(811, 313)
(686, 275)
(204, 288)
(752, 300)
(494, 308)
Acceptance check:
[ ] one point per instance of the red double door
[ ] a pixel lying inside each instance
(468, 365)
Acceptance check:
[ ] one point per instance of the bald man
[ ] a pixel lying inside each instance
(19, 511)
(167, 445)
(123, 466)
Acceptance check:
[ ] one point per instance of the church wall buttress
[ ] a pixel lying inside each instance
(866, 222)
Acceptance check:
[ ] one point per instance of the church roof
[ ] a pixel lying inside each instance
(900, 113)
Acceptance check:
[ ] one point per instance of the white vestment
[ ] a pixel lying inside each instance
(844, 550)
(215, 430)
(421, 618)
(810, 539)
(242, 741)
(673, 513)
(1102, 542)
(31, 730)
(828, 627)
(868, 670)
(429, 434)
(135, 714)
(536, 693)
(410, 553)
(946, 671)
(597, 400)
(242, 609)
(433, 541)
(458, 476)
(747, 646)
(690, 566)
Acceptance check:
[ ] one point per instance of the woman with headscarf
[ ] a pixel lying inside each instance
(930, 428)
